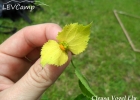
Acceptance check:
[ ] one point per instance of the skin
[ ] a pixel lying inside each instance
(21, 75)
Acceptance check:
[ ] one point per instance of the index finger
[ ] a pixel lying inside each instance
(28, 38)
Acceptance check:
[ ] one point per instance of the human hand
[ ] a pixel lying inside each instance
(21, 75)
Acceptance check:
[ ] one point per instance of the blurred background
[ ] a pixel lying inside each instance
(109, 63)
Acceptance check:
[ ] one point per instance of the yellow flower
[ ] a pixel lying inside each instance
(73, 37)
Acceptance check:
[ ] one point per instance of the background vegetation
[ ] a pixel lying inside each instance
(109, 63)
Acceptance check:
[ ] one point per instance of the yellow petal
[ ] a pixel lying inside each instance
(52, 54)
(76, 36)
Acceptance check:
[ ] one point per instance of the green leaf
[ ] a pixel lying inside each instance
(83, 84)
(52, 54)
(81, 97)
(84, 90)
(76, 36)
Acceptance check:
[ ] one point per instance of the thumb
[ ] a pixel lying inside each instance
(32, 85)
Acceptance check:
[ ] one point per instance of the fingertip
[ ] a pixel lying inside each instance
(52, 31)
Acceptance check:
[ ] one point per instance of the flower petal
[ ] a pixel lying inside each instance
(76, 36)
(52, 54)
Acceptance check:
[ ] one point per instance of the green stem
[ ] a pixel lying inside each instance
(83, 80)
(72, 63)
